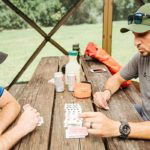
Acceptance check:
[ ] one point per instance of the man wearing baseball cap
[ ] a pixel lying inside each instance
(138, 66)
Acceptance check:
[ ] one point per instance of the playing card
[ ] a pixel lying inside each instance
(51, 81)
(41, 121)
(26, 106)
(75, 122)
(72, 112)
(76, 132)
(72, 122)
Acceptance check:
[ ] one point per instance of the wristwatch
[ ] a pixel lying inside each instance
(124, 129)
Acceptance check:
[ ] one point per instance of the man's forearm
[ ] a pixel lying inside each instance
(113, 86)
(140, 130)
(113, 83)
(8, 114)
(9, 138)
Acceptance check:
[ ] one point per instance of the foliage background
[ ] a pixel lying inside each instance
(47, 12)
(19, 40)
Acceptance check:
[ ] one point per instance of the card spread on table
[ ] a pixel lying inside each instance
(72, 122)
(76, 132)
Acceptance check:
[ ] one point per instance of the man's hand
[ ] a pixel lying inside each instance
(101, 98)
(111, 86)
(100, 124)
(28, 120)
(26, 123)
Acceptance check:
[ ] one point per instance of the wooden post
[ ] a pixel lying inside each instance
(47, 37)
(107, 25)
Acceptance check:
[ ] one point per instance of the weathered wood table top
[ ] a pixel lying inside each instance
(51, 135)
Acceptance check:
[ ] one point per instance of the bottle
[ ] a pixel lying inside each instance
(72, 66)
(76, 47)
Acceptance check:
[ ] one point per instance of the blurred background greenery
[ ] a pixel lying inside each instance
(19, 40)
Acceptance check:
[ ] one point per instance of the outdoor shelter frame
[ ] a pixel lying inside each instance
(107, 31)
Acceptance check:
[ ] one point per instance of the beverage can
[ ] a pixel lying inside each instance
(71, 78)
(59, 81)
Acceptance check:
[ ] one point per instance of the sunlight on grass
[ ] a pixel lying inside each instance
(20, 44)
(122, 43)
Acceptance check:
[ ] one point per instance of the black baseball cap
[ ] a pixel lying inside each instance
(3, 56)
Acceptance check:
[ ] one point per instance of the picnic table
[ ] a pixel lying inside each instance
(42, 95)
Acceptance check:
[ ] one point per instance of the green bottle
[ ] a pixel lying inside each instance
(75, 47)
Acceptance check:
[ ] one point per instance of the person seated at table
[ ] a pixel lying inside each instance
(10, 109)
(138, 66)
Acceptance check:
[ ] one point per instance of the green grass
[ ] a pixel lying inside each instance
(20, 44)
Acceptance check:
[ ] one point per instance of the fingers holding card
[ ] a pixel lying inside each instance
(29, 107)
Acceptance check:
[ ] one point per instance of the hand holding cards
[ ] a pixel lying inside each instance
(72, 121)
(41, 121)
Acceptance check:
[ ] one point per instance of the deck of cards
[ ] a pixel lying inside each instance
(73, 123)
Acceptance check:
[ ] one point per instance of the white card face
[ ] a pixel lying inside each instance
(68, 123)
(26, 106)
(76, 132)
(72, 122)
(41, 121)
(72, 112)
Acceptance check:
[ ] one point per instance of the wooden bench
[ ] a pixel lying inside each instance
(51, 135)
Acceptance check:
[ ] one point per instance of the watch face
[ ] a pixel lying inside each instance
(126, 129)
